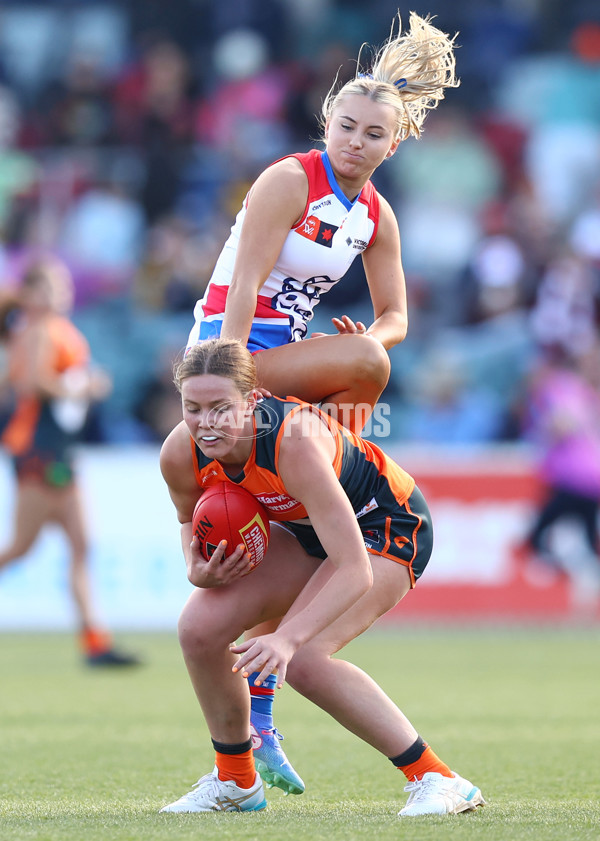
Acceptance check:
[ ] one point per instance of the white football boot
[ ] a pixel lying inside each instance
(210, 794)
(439, 795)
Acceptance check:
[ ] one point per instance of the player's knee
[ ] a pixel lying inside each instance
(17, 550)
(367, 363)
(198, 637)
(194, 642)
(374, 365)
(302, 675)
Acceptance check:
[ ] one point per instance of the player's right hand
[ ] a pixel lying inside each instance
(221, 569)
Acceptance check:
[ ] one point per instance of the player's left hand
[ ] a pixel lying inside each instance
(344, 325)
(267, 654)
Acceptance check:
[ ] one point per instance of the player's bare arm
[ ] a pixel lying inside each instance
(385, 277)
(225, 565)
(276, 203)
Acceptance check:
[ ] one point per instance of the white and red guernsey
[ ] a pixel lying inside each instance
(315, 256)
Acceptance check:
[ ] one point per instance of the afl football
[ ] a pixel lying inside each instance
(229, 512)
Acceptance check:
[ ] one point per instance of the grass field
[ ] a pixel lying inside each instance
(90, 755)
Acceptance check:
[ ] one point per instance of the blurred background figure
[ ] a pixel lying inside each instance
(562, 419)
(49, 371)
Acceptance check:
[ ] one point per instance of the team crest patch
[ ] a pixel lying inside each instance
(372, 539)
(317, 231)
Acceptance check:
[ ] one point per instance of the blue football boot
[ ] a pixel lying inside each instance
(271, 762)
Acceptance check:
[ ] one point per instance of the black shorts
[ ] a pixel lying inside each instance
(402, 533)
(52, 469)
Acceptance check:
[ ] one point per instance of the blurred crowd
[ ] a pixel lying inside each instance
(130, 132)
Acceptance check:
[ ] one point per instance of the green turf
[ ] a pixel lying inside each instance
(90, 755)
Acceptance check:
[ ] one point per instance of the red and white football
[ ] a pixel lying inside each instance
(229, 512)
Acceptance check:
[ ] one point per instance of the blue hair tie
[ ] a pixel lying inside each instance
(365, 76)
(400, 83)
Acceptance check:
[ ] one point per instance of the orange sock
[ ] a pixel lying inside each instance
(238, 767)
(94, 641)
(428, 761)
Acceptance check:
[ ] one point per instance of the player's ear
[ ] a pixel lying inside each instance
(253, 399)
(393, 148)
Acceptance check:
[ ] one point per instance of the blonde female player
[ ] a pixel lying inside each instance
(302, 224)
(328, 590)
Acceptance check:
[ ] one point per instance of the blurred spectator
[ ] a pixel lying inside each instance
(443, 184)
(18, 170)
(102, 237)
(584, 236)
(451, 166)
(38, 39)
(177, 264)
(158, 406)
(565, 311)
(557, 96)
(77, 110)
(154, 109)
(269, 19)
(310, 80)
(498, 270)
(506, 139)
(449, 406)
(244, 113)
(562, 419)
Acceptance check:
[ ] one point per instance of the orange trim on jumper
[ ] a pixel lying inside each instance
(197, 473)
(414, 539)
(64, 347)
(70, 348)
(396, 560)
(388, 525)
(20, 431)
(384, 553)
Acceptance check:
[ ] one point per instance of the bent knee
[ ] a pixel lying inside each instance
(303, 676)
(377, 363)
(198, 634)
(368, 360)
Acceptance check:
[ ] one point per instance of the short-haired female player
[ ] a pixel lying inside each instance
(328, 590)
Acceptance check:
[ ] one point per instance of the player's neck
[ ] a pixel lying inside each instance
(236, 459)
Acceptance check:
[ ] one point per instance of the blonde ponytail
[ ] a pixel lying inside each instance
(410, 72)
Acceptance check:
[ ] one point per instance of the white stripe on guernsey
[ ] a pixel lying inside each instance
(275, 320)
